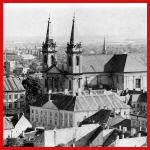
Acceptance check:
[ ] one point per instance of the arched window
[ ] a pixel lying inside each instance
(70, 61)
(45, 59)
(52, 58)
(77, 60)
(69, 84)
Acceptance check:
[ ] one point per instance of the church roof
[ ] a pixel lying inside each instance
(117, 63)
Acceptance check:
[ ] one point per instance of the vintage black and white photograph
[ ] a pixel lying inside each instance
(75, 74)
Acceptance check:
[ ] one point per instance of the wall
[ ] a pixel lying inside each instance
(63, 136)
(130, 80)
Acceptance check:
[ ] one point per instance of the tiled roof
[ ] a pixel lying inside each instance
(13, 84)
(113, 63)
(115, 120)
(138, 98)
(7, 123)
(113, 136)
(41, 101)
(124, 123)
(95, 63)
(100, 117)
(82, 103)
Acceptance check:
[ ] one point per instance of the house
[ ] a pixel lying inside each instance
(139, 120)
(62, 111)
(131, 142)
(18, 128)
(119, 71)
(8, 126)
(14, 96)
(138, 102)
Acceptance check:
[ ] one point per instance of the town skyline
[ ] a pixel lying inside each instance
(111, 20)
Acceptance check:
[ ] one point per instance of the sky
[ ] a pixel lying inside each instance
(30, 19)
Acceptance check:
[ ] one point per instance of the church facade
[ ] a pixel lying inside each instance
(83, 72)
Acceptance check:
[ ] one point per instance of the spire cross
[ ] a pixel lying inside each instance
(49, 18)
(74, 15)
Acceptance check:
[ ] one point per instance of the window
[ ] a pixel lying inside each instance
(16, 96)
(36, 111)
(41, 113)
(133, 105)
(77, 60)
(36, 119)
(66, 124)
(55, 123)
(50, 122)
(70, 85)
(46, 83)
(50, 114)
(61, 123)
(32, 111)
(70, 61)
(124, 112)
(45, 59)
(55, 114)
(138, 105)
(138, 83)
(71, 116)
(71, 125)
(10, 105)
(61, 115)
(16, 105)
(21, 104)
(9, 96)
(32, 119)
(66, 116)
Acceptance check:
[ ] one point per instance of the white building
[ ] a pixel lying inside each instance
(14, 96)
(62, 111)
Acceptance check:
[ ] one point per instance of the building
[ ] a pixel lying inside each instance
(14, 96)
(62, 111)
(139, 120)
(17, 129)
(119, 71)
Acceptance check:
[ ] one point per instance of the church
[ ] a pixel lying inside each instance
(90, 72)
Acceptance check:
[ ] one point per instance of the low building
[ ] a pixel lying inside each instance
(14, 96)
(139, 120)
(62, 111)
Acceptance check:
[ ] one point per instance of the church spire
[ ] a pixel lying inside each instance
(49, 32)
(72, 31)
(104, 47)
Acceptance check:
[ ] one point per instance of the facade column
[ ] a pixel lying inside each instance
(52, 84)
(141, 82)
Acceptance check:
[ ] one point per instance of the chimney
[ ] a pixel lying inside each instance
(124, 129)
(54, 136)
(133, 131)
(66, 92)
(117, 140)
(79, 92)
(119, 128)
(50, 91)
(140, 128)
(139, 134)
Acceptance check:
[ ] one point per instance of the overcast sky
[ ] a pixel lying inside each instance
(129, 20)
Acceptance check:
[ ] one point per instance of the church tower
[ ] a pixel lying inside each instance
(74, 52)
(104, 47)
(49, 49)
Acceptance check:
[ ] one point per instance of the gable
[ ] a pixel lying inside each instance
(53, 69)
(49, 105)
